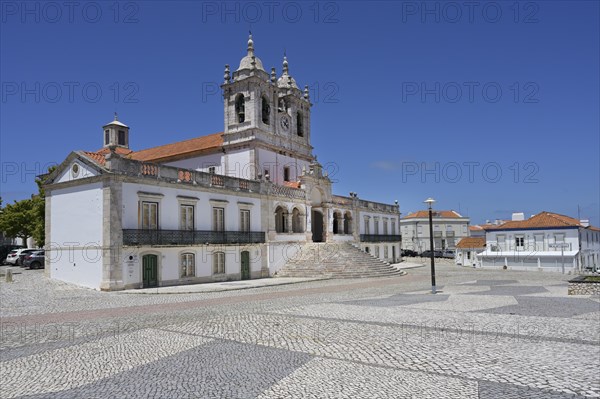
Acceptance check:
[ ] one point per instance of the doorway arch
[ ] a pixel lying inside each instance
(317, 225)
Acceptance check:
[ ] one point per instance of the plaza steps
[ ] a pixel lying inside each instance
(335, 260)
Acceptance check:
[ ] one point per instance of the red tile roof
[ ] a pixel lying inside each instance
(541, 220)
(293, 184)
(436, 214)
(180, 149)
(99, 155)
(471, 242)
(167, 152)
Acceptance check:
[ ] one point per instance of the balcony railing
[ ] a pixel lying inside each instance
(190, 237)
(380, 237)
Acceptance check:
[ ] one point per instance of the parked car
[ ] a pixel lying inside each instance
(427, 254)
(35, 260)
(409, 252)
(16, 255)
(5, 250)
(448, 253)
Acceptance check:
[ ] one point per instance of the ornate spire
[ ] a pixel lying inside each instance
(285, 64)
(226, 75)
(250, 45)
(273, 76)
(306, 93)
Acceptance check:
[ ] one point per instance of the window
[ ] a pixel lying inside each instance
(299, 124)
(266, 111)
(376, 225)
(218, 219)
(211, 169)
(559, 238)
(393, 226)
(121, 140)
(187, 265)
(244, 220)
(419, 230)
(149, 215)
(519, 243)
(286, 173)
(186, 217)
(385, 227)
(539, 242)
(502, 242)
(367, 225)
(106, 137)
(240, 109)
(219, 263)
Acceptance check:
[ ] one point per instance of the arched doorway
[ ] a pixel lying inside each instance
(317, 226)
(337, 229)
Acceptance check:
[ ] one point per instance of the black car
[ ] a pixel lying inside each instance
(409, 252)
(35, 260)
(427, 254)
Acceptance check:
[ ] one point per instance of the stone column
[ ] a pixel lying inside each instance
(288, 220)
(112, 235)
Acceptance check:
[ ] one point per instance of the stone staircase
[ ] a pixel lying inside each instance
(335, 260)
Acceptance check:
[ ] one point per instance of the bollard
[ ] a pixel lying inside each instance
(9, 278)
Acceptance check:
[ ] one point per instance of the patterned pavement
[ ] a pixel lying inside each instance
(487, 334)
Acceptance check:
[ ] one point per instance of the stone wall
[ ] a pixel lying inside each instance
(578, 286)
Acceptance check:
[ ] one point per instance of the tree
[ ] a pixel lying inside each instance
(16, 220)
(27, 218)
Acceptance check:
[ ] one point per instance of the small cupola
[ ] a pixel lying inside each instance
(116, 134)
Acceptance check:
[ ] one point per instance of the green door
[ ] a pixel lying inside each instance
(150, 271)
(245, 265)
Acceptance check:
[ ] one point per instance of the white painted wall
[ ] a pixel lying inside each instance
(280, 253)
(169, 206)
(76, 235)
(201, 163)
(275, 163)
(169, 262)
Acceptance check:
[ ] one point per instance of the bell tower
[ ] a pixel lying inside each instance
(250, 97)
(293, 111)
(116, 134)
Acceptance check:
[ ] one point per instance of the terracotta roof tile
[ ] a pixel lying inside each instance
(436, 214)
(179, 149)
(541, 220)
(99, 155)
(293, 184)
(471, 242)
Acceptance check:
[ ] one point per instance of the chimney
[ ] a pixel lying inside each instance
(584, 222)
(518, 216)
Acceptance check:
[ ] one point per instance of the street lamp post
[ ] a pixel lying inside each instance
(429, 201)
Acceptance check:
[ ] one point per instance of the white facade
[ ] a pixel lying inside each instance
(236, 208)
(449, 227)
(558, 249)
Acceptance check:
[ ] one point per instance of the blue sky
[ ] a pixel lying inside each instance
(490, 109)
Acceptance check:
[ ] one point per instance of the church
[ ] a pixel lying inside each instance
(241, 204)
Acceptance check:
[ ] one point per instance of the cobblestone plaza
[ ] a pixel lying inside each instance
(486, 334)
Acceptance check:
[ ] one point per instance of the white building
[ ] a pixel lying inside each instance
(448, 228)
(232, 205)
(467, 250)
(546, 241)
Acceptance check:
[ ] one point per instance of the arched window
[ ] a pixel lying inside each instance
(337, 229)
(347, 223)
(281, 215)
(240, 108)
(296, 221)
(266, 111)
(187, 265)
(299, 124)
